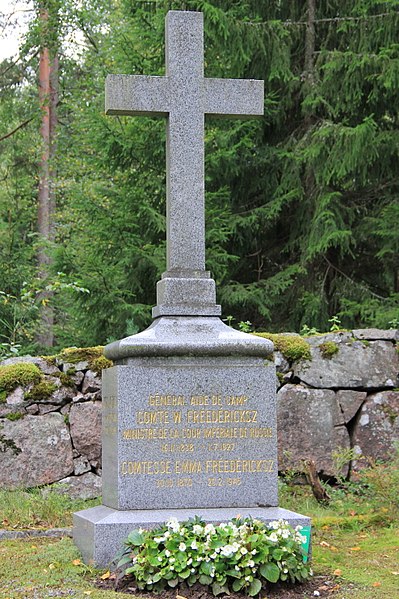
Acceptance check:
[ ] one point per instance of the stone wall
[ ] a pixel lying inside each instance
(337, 396)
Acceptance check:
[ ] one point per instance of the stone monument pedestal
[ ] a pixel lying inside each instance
(99, 532)
(189, 428)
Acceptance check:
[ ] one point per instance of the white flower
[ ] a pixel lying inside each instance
(285, 571)
(227, 550)
(171, 567)
(207, 559)
(254, 552)
(167, 552)
(172, 560)
(251, 563)
(237, 568)
(299, 527)
(274, 525)
(273, 537)
(149, 581)
(159, 559)
(214, 555)
(167, 534)
(158, 539)
(209, 529)
(182, 547)
(192, 570)
(173, 524)
(197, 529)
(189, 562)
(316, 594)
(247, 578)
(194, 545)
(243, 550)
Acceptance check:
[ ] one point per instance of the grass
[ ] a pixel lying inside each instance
(355, 539)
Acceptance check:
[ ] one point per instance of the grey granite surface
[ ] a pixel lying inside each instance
(99, 532)
(192, 432)
(188, 336)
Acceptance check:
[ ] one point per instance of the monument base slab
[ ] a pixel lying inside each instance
(99, 532)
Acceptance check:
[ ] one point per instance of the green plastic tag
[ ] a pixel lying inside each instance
(306, 532)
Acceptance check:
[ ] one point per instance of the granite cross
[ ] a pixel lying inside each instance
(184, 96)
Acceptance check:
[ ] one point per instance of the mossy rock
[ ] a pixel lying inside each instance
(15, 375)
(14, 416)
(100, 364)
(328, 349)
(73, 355)
(292, 347)
(41, 390)
(93, 355)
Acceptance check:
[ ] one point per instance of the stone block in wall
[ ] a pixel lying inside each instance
(86, 486)
(309, 426)
(377, 430)
(41, 363)
(350, 402)
(42, 452)
(356, 365)
(85, 425)
(91, 382)
(375, 334)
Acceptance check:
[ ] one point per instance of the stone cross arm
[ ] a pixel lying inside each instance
(140, 95)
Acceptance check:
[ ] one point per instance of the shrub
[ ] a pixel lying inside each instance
(238, 555)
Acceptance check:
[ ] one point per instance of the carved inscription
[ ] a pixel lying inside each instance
(197, 439)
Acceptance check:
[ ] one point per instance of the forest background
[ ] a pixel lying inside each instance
(302, 206)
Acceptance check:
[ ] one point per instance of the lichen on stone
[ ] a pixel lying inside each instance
(15, 375)
(292, 347)
(328, 349)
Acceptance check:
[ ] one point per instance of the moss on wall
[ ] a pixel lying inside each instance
(292, 347)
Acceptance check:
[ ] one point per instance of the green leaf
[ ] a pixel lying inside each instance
(203, 579)
(185, 574)
(270, 571)
(238, 584)
(135, 538)
(255, 587)
(218, 589)
(174, 582)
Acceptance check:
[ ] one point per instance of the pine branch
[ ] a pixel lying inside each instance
(327, 20)
(16, 129)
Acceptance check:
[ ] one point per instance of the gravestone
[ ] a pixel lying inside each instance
(189, 409)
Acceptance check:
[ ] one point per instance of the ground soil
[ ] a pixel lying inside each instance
(318, 586)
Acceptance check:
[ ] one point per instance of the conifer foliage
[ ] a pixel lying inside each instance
(302, 204)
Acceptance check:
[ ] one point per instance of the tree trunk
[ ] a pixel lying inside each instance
(48, 99)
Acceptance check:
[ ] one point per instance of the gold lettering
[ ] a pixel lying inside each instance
(188, 467)
(199, 400)
(235, 466)
(166, 400)
(158, 417)
(146, 468)
(221, 416)
(177, 417)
